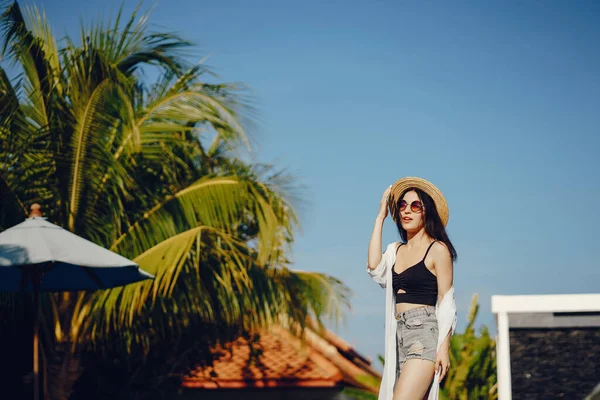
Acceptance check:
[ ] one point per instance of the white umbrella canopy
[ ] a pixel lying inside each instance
(39, 256)
(67, 261)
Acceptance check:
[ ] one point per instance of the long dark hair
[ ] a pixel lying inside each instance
(433, 223)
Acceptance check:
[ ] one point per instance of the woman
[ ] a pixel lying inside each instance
(417, 274)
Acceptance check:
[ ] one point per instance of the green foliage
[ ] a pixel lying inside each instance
(472, 374)
(358, 394)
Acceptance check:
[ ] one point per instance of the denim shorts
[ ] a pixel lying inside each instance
(416, 336)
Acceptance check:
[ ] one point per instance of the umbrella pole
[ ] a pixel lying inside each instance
(36, 330)
(36, 283)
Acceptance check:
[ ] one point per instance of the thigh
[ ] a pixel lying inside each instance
(415, 379)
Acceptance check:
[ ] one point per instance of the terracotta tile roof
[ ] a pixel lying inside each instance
(284, 361)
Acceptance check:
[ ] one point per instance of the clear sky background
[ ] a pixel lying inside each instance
(497, 103)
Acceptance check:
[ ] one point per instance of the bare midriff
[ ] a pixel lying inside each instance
(402, 307)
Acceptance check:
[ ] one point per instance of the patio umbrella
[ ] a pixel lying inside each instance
(38, 256)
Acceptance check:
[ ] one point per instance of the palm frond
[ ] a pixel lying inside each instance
(328, 297)
(40, 29)
(24, 160)
(219, 202)
(20, 45)
(204, 275)
(166, 262)
(88, 150)
(131, 47)
(193, 106)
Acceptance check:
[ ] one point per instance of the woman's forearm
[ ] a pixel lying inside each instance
(375, 245)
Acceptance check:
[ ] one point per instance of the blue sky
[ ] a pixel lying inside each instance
(498, 104)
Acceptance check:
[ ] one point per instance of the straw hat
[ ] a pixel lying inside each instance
(412, 182)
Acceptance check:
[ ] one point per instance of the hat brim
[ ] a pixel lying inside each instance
(413, 182)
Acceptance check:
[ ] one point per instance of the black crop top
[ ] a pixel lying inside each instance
(419, 283)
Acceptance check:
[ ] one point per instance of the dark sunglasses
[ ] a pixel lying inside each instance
(416, 206)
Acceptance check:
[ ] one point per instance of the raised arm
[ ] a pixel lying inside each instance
(375, 246)
(377, 264)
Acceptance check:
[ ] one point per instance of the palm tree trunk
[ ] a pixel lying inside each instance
(63, 370)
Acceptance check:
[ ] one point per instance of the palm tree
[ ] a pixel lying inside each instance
(148, 171)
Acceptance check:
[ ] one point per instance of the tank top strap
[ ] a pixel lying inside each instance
(429, 248)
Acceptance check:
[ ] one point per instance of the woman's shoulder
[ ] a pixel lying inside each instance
(439, 249)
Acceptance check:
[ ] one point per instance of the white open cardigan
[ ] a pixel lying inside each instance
(444, 311)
